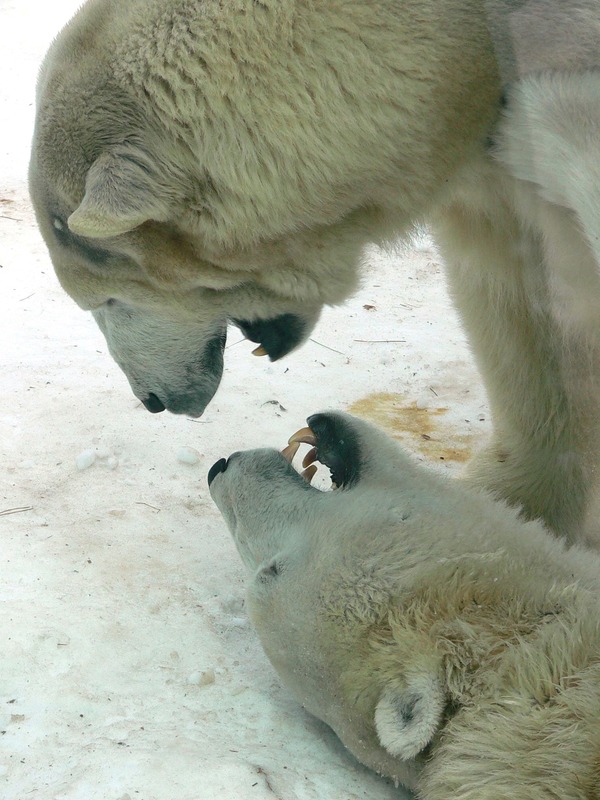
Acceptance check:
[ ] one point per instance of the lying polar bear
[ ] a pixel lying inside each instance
(449, 644)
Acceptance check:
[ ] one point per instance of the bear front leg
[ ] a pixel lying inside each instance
(542, 376)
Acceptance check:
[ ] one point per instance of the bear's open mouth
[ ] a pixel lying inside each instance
(275, 337)
(331, 444)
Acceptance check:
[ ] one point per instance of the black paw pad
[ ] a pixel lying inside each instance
(337, 447)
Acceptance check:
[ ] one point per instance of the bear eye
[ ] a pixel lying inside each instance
(94, 255)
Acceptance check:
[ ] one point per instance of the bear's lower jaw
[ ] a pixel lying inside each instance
(276, 337)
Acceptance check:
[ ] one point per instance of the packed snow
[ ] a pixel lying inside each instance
(129, 668)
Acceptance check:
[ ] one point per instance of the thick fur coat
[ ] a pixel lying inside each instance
(196, 162)
(450, 645)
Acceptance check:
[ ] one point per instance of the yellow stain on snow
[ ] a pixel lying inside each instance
(423, 430)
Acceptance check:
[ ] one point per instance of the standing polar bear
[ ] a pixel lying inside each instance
(449, 644)
(196, 162)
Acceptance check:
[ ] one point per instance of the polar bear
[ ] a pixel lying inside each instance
(450, 645)
(196, 162)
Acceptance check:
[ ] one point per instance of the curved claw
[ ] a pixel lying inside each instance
(309, 473)
(310, 457)
(290, 451)
(303, 436)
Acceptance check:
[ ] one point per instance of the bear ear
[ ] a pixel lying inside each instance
(122, 191)
(406, 718)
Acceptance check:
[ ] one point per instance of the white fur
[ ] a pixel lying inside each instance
(235, 159)
(449, 644)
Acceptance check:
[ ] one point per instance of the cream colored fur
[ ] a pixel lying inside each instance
(231, 161)
(449, 644)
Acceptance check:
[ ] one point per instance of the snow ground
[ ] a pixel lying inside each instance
(129, 669)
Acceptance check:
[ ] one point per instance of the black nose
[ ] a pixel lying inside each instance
(219, 466)
(153, 404)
